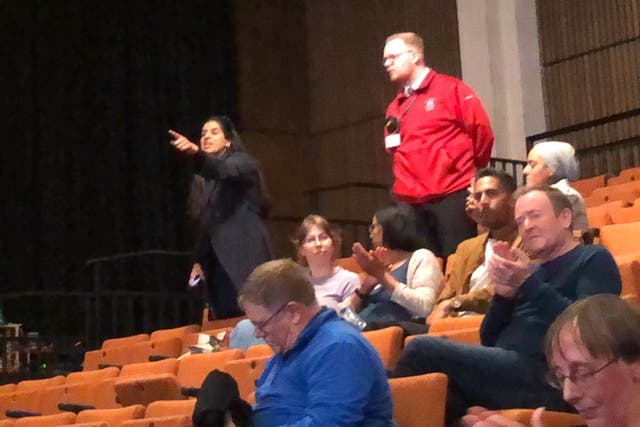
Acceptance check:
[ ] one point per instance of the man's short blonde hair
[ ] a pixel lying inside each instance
(278, 282)
(410, 39)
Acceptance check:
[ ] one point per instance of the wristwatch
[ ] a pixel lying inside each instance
(455, 303)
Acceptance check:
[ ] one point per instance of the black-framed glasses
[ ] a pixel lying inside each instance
(580, 378)
(261, 325)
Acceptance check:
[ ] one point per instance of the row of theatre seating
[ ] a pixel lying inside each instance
(160, 393)
(140, 380)
(613, 209)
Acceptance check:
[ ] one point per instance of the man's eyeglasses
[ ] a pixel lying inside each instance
(578, 377)
(261, 325)
(393, 57)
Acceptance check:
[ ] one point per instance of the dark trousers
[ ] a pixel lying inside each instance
(445, 223)
(491, 377)
(221, 292)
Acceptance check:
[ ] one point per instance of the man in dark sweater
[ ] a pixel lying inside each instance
(508, 369)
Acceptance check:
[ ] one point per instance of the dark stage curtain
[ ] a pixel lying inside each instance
(89, 89)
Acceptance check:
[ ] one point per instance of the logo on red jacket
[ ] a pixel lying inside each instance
(429, 104)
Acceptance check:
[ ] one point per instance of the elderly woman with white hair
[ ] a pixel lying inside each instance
(553, 163)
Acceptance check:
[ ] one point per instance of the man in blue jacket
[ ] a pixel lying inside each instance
(323, 372)
(508, 369)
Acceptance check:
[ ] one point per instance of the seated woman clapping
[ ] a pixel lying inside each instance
(402, 279)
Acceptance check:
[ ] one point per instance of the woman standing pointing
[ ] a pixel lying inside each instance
(228, 202)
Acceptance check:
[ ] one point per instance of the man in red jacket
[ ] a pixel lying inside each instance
(438, 134)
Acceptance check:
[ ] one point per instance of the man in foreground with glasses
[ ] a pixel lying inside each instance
(593, 353)
(324, 372)
(507, 370)
(438, 134)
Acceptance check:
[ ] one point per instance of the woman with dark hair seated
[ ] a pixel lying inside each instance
(227, 203)
(403, 279)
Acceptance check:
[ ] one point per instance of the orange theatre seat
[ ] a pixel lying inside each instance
(388, 342)
(627, 192)
(626, 175)
(118, 342)
(142, 383)
(46, 420)
(349, 264)
(246, 372)
(419, 400)
(192, 370)
(165, 413)
(626, 215)
(599, 216)
(258, 350)
(180, 332)
(586, 186)
(630, 275)
(112, 417)
(99, 395)
(621, 239)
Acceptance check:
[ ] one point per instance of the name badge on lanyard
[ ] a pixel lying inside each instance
(392, 141)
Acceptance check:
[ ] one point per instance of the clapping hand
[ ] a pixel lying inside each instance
(508, 268)
(370, 262)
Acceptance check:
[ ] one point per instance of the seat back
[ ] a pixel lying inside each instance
(32, 385)
(166, 366)
(599, 216)
(350, 264)
(7, 388)
(626, 175)
(47, 420)
(627, 192)
(195, 367)
(625, 215)
(246, 372)
(20, 400)
(114, 417)
(428, 409)
(180, 332)
(388, 342)
(621, 239)
(92, 376)
(586, 186)
(165, 408)
(630, 275)
(100, 394)
(117, 342)
(258, 350)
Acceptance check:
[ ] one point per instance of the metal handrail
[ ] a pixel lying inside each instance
(580, 126)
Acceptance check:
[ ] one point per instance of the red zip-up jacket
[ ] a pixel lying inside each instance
(445, 135)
